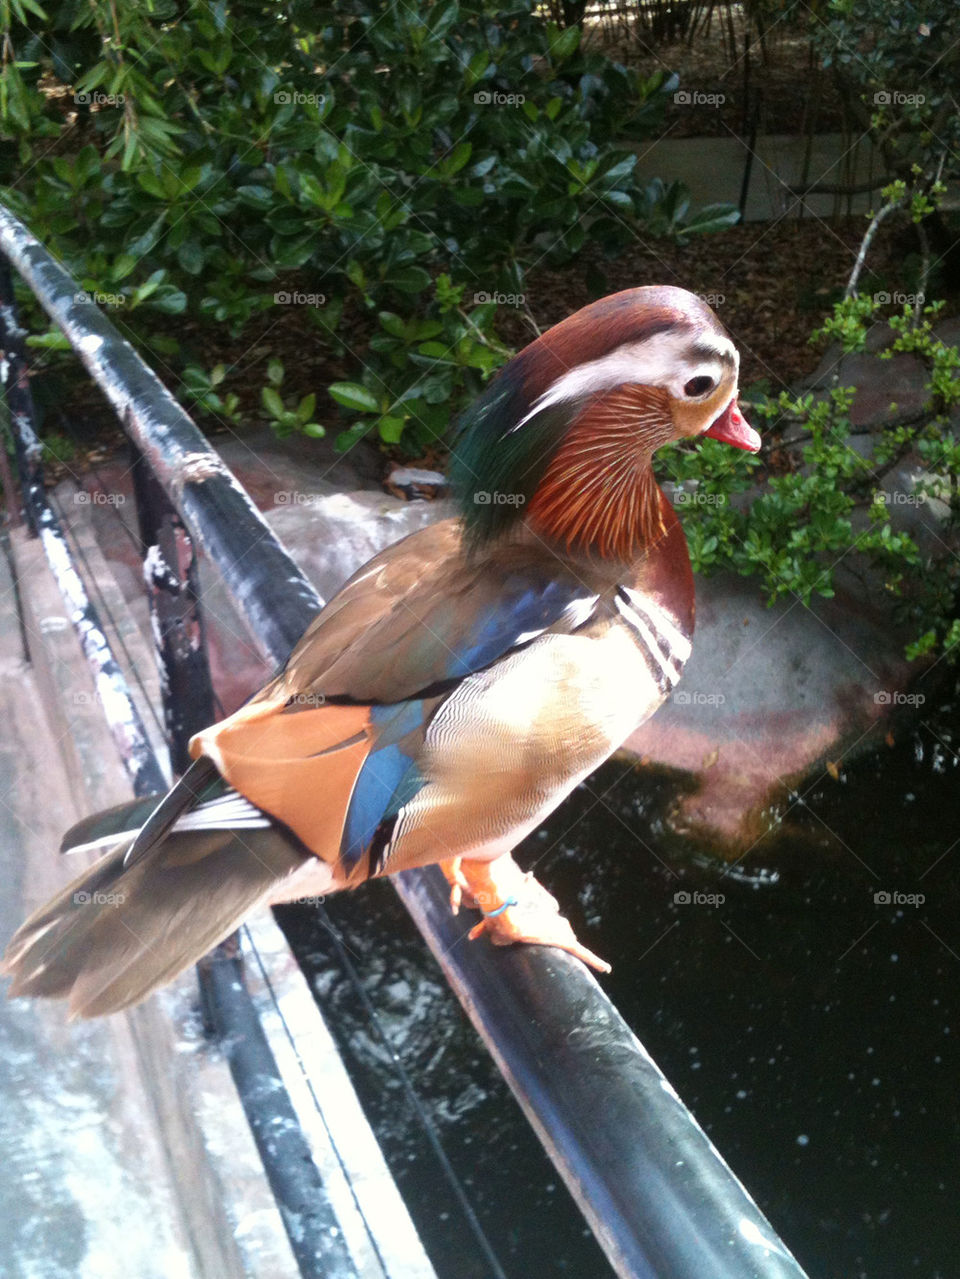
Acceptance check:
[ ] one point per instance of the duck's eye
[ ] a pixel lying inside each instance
(698, 386)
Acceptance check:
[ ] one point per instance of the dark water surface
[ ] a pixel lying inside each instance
(810, 1019)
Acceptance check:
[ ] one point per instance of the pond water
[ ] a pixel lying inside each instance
(809, 1018)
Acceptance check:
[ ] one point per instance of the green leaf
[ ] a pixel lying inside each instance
(169, 300)
(390, 428)
(392, 324)
(151, 184)
(257, 197)
(191, 257)
(354, 396)
(712, 217)
(143, 243)
(272, 402)
(564, 44)
(477, 65)
(408, 279)
(52, 341)
(457, 158)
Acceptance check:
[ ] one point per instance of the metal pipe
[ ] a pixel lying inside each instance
(119, 707)
(170, 574)
(15, 377)
(658, 1195)
(295, 1179)
(311, 1224)
(211, 502)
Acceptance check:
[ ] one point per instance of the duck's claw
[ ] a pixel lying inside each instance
(516, 908)
(458, 883)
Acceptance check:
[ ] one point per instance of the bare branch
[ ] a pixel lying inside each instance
(851, 290)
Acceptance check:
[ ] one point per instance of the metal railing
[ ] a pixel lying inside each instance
(658, 1196)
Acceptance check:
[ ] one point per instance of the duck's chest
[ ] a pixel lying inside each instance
(658, 636)
(587, 691)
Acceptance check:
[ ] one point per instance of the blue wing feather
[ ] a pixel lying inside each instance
(522, 609)
(390, 777)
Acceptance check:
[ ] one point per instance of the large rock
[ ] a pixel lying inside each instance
(768, 695)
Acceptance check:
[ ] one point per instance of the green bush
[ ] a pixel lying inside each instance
(400, 163)
(824, 504)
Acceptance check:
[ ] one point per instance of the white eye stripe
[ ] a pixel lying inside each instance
(661, 360)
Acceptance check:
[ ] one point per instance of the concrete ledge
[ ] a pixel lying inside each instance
(125, 1150)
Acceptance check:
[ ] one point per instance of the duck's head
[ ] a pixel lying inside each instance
(562, 439)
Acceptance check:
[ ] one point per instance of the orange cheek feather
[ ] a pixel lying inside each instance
(599, 491)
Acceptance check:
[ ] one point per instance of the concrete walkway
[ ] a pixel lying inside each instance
(106, 1170)
(712, 169)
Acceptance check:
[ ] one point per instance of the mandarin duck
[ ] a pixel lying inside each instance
(453, 692)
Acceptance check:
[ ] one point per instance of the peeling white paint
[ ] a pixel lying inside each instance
(120, 712)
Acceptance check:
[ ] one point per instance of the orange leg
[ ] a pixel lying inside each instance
(516, 908)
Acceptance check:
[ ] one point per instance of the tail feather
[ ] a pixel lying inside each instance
(121, 928)
(109, 824)
(199, 779)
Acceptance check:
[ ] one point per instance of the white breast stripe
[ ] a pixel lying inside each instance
(670, 672)
(680, 647)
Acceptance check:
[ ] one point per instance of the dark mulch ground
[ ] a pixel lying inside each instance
(780, 79)
(770, 284)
